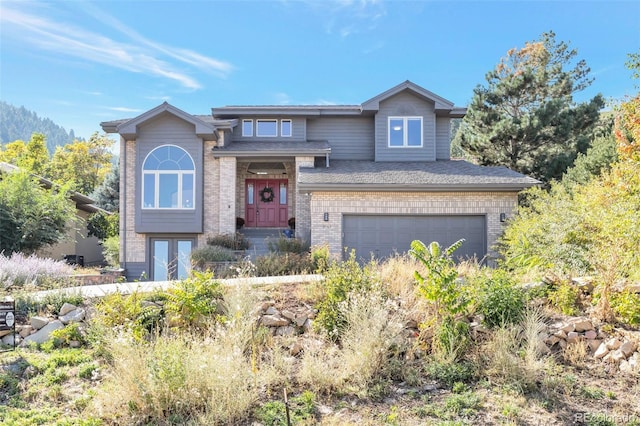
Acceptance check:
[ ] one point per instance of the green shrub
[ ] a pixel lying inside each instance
(564, 297)
(283, 264)
(235, 241)
(451, 338)
(439, 285)
(64, 336)
(50, 303)
(288, 245)
(450, 373)
(111, 251)
(500, 301)
(342, 278)
(301, 409)
(320, 258)
(203, 255)
(626, 306)
(194, 301)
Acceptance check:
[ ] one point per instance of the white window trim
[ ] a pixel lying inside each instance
(156, 196)
(243, 133)
(405, 133)
(157, 173)
(265, 121)
(290, 128)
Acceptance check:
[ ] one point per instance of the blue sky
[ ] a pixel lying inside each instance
(80, 63)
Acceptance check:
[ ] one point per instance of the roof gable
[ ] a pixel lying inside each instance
(129, 129)
(441, 103)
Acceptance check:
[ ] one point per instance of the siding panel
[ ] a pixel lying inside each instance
(443, 138)
(350, 138)
(405, 104)
(168, 129)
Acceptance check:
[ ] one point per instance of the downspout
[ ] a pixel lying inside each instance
(123, 191)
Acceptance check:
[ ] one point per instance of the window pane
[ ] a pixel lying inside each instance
(168, 191)
(414, 129)
(396, 132)
(187, 191)
(283, 193)
(160, 260)
(285, 128)
(184, 263)
(151, 163)
(267, 128)
(149, 190)
(247, 128)
(185, 163)
(250, 193)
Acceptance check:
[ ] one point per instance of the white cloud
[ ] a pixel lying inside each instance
(349, 17)
(123, 109)
(138, 54)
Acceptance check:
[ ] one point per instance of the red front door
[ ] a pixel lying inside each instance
(266, 202)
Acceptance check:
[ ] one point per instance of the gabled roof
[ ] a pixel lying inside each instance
(82, 201)
(441, 103)
(441, 176)
(129, 128)
(442, 106)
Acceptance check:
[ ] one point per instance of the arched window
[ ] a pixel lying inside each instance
(168, 178)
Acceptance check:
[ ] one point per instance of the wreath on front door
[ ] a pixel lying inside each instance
(266, 194)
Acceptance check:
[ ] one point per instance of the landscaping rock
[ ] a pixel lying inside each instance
(594, 344)
(271, 311)
(301, 320)
(9, 340)
(582, 324)
(583, 283)
(601, 352)
(5, 332)
(286, 331)
(273, 321)
(76, 315)
(618, 355)
(573, 337)
(590, 335)
(39, 322)
(66, 308)
(296, 348)
(44, 333)
(613, 344)
(288, 314)
(628, 348)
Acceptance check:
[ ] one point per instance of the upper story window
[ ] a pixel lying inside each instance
(247, 127)
(268, 128)
(405, 132)
(285, 128)
(168, 179)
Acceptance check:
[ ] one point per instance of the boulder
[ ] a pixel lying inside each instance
(25, 330)
(568, 327)
(594, 344)
(613, 344)
(271, 311)
(66, 308)
(273, 321)
(5, 333)
(582, 324)
(617, 355)
(573, 337)
(9, 340)
(286, 331)
(590, 335)
(288, 314)
(76, 315)
(301, 320)
(39, 322)
(628, 348)
(601, 352)
(43, 334)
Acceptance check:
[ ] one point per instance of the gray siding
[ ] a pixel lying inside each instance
(298, 130)
(351, 138)
(134, 271)
(168, 129)
(402, 105)
(443, 138)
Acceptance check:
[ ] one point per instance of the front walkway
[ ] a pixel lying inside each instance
(149, 286)
(259, 239)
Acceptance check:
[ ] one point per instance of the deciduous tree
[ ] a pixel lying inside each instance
(31, 217)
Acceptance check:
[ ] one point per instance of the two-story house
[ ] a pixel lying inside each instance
(370, 177)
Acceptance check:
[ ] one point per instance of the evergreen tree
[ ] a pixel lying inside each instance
(107, 195)
(525, 118)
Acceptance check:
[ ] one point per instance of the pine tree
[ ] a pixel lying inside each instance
(526, 118)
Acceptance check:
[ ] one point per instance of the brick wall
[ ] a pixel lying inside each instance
(336, 204)
(303, 212)
(135, 250)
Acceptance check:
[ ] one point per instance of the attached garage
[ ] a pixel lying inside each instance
(384, 235)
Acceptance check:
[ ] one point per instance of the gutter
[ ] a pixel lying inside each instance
(356, 187)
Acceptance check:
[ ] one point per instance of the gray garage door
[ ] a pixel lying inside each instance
(383, 236)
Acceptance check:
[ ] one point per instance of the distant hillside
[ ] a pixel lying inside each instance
(19, 123)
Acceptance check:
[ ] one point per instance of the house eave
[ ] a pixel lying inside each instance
(274, 153)
(409, 187)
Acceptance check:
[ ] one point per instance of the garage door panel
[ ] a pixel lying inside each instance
(382, 236)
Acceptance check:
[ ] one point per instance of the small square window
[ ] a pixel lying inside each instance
(405, 132)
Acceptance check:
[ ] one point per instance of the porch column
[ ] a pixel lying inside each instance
(303, 203)
(227, 196)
